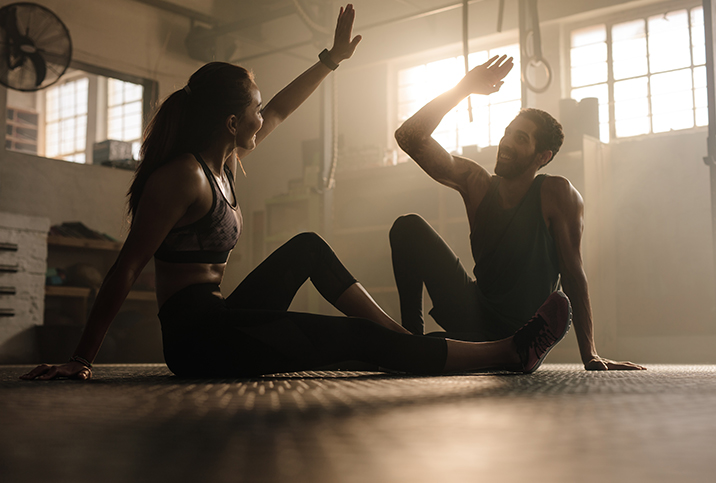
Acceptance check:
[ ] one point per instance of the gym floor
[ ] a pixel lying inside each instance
(138, 423)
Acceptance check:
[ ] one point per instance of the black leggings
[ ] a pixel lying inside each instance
(251, 332)
(421, 257)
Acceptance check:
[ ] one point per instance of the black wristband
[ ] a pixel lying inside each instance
(325, 58)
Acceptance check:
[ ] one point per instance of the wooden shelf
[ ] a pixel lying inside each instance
(64, 291)
(66, 241)
(84, 293)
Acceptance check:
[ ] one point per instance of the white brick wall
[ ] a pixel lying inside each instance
(17, 338)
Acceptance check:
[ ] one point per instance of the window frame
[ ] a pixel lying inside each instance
(149, 101)
(609, 18)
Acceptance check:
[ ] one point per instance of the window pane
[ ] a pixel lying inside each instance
(132, 92)
(477, 58)
(630, 89)
(124, 112)
(631, 109)
(632, 127)
(81, 95)
(589, 35)
(52, 105)
(114, 92)
(589, 54)
(589, 74)
(442, 75)
(702, 116)
(673, 121)
(672, 102)
(698, 39)
(671, 82)
(700, 97)
(413, 75)
(66, 120)
(634, 29)
(625, 69)
(410, 92)
(669, 46)
(629, 58)
(700, 77)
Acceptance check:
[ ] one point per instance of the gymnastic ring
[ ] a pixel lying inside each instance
(547, 67)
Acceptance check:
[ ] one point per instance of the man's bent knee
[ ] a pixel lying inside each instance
(406, 226)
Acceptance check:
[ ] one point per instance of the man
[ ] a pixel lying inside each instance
(525, 229)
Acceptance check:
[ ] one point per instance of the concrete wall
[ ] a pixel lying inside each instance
(664, 311)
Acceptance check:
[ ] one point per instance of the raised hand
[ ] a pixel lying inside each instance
(601, 364)
(72, 370)
(343, 45)
(487, 78)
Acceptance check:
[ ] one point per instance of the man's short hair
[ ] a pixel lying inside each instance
(549, 133)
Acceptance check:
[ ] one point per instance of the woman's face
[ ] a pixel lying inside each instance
(251, 122)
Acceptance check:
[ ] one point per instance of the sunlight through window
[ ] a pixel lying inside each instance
(66, 121)
(491, 114)
(657, 81)
(124, 113)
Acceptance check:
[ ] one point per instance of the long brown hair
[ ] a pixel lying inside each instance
(188, 118)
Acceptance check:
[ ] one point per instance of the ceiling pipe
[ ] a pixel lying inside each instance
(393, 21)
(179, 10)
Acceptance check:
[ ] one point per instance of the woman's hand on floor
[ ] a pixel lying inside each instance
(601, 364)
(72, 370)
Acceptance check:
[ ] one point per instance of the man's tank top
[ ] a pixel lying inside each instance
(516, 263)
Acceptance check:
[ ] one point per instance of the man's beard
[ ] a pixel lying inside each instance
(514, 168)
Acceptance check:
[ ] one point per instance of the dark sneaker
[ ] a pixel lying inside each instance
(537, 337)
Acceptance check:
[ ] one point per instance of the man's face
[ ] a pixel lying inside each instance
(517, 149)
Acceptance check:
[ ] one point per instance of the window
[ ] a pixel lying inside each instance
(491, 114)
(649, 73)
(66, 120)
(82, 109)
(124, 113)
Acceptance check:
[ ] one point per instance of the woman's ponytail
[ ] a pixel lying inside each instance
(188, 118)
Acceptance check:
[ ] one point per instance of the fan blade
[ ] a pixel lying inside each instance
(40, 68)
(8, 21)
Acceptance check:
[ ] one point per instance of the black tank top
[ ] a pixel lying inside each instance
(211, 238)
(516, 263)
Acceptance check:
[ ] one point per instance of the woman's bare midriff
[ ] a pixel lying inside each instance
(172, 277)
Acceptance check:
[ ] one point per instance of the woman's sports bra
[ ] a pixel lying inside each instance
(211, 238)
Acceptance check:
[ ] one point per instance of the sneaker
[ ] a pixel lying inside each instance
(537, 337)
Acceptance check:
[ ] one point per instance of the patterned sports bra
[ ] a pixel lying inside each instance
(211, 238)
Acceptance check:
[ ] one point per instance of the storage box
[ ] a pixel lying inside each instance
(111, 150)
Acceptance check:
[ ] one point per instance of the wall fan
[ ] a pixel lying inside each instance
(35, 47)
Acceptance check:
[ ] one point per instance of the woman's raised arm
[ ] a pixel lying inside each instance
(295, 93)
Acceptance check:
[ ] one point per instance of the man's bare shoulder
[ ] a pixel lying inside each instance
(559, 191)
(471, 180)
(472, 170)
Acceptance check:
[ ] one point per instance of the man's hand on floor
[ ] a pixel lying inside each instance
(601, 364)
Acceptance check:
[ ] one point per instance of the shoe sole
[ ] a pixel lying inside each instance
(564, 332)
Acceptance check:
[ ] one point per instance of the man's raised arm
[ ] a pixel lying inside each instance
(415, 135)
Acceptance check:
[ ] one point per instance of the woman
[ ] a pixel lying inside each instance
(185, 215)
